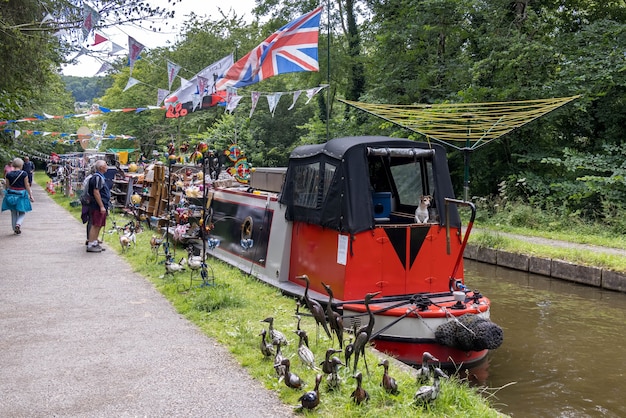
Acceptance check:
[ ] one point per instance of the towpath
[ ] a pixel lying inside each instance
(81, 335)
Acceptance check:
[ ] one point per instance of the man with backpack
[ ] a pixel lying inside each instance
(100, 197)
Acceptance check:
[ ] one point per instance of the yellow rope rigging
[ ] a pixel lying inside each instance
(474, 124)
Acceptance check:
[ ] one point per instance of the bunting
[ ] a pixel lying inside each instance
(212, 100)
(189, 97)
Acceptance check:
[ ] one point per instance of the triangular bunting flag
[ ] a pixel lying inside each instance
(161, 95)
(255, 99)
(312, 92)
(296, 94)
(115, 48)
(131, 82)
(172, 72)
(233, 102)
(134, 49)
(99, 39)
(104, 68)
(272, 101)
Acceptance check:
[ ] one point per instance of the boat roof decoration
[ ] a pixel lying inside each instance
(329, 184)
(463, 125)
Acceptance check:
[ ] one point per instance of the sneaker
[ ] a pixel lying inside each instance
(17, 229)
(94, 249)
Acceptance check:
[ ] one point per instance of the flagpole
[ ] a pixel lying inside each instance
(328, 73)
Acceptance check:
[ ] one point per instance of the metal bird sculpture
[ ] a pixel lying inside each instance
(335, 320)
(311, 399)
(388, 383)
(278, 366)
(276, 337)
(304, 352)
(267, 349)
(364, 334)
(426, 394)
(359, 395)
(424, 372)
(327, 367)
(315, 307)
(292, 380)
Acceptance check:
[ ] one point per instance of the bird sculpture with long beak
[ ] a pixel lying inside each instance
(426, 394)
(335, 320)
(292, 380)
(359, 395)
(276, 337)
(304, 352)
(267, 349)
(364, 334)
(388, 383)
(311, 399)
(315, 307)
(424, 372)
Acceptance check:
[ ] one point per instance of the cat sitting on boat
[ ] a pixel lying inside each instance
(421, 213)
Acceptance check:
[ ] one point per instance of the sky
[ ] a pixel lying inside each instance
(87, 66)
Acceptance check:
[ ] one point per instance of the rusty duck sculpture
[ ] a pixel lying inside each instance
(292, 380)
(388, 383)
(359, 395)
(327, 367)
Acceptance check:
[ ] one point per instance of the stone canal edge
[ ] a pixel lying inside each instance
(558, 269)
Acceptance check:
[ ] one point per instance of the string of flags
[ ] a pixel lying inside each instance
(66, 138)
(231, 102)
(293, 48)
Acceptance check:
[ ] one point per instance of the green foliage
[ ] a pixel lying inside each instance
(86, 89)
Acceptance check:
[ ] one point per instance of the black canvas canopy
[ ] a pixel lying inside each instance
(331, 184)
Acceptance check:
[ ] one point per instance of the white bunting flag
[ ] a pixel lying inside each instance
(296, 94)
(255, 99)
(172, 72)
(131, 82)
(272, 101)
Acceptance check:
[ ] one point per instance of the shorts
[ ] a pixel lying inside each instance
(97, 218)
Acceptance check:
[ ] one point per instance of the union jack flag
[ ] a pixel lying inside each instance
(291, 49)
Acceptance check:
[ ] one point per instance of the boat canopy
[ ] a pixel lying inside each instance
(335, 184)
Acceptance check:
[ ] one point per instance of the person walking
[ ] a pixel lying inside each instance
(99, 205)
(18, 195)
(29, 167)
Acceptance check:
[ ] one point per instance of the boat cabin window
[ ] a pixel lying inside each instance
(413, 180)
(308, 179)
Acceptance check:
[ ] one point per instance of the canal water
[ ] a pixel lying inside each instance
(564, 350)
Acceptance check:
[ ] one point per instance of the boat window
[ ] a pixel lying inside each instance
(413, 180)
(306, 186)
(329, 173)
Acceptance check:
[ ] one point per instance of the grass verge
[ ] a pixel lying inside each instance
(230, 311)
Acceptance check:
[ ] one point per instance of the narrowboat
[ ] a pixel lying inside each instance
(345, 213)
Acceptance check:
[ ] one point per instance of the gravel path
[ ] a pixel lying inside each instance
(81, 335)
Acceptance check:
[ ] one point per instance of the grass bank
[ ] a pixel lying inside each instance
(230, 311)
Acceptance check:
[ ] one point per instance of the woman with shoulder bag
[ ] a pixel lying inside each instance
(18, 195)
